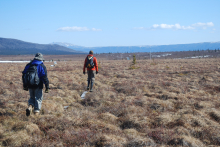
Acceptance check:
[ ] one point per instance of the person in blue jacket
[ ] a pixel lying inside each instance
(36, 93)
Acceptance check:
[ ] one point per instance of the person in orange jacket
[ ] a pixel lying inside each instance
(92, 68)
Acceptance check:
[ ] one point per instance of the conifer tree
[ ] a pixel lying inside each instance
(134, 60)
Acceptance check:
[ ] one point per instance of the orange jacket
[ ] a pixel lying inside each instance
(95, 64)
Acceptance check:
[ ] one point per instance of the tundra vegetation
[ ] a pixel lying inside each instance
(168, 103)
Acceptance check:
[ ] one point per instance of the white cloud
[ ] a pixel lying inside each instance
(177, 26)
(155, 25)
(138, 28)
(199, 24)
(203, 25)
(75, 28)
(94, 29)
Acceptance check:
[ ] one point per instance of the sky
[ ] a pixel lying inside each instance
(93, 23)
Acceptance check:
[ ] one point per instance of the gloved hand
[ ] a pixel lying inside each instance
(47, 90)
(97, 72)
(84, 72)
(25, 88)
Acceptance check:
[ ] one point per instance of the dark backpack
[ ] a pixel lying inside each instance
(30, 78)
(89, 63)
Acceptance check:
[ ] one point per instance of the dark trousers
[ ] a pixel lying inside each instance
(91, 77)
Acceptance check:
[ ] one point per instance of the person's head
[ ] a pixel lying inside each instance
(39, 57)
(91, 52)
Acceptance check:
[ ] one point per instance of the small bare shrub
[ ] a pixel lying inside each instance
(215, 115)
(127, 88)
(91, 100)
(126, 123)
(140, 143)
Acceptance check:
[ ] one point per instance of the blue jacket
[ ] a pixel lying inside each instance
(42, 73)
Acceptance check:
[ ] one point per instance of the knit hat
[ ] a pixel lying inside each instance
(91, 52)
(39, 56)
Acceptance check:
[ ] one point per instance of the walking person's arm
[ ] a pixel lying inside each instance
(43, 77)
(96, 65)
(84, 67)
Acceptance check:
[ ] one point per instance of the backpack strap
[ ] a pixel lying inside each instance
(91, 57)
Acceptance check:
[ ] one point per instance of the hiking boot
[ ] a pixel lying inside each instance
(91, 90)
(87, 88)
(37, 113)
(28, 110)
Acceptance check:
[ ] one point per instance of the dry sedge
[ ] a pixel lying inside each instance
(167, 102)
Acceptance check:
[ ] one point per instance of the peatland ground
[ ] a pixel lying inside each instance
(164, 102)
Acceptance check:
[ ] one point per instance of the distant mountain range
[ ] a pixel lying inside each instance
(17, 47)
(147, 48)
(67, 45)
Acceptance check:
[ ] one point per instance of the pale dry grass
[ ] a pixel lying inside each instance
(161, 103)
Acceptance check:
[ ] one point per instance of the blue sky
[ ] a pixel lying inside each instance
(93, 23)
